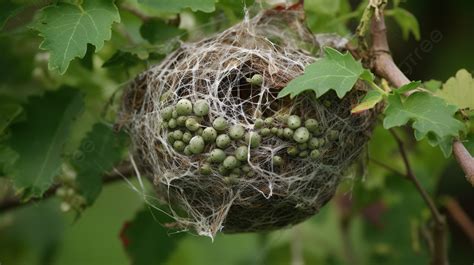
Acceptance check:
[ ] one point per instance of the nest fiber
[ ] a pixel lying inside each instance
(222, 150)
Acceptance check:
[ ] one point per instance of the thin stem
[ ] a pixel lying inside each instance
(376, 87)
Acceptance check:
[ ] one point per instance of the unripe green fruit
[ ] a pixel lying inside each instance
(217, 156)
(184, 107)
(288, 133)
(209, 134)
(268, 121)
(246, 168)
(200, 131)
(181, 120)
(192, 124)
(179, 146)
(174, 114)
(322, 142)
(258, 123)
(256, 80)
(253, 139)
(303, 146)
(219, 124)
(315, 154)
(230, 162)
(205, 169)
(280, 132)
(294, 122)
(301, 135)
(241, 153)
(303, 154)
(187, 150)
(201, 108)
(223, 170)
(292, 151)
(167, 113)
(313, 143)
(274, 130)
(327, 103)
(265, 132)
(187, 137)
(333, 135)
(196, 145)
(178, 135)
(236, 132)
(277, 161)
(237, 171)
(164, 125)
(231, 179)
(311, 125)
(172, 123)
(223, 141)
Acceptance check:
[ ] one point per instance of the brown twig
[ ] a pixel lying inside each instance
(465, 160)
(122, 171)
(461, 218)
(387, 167)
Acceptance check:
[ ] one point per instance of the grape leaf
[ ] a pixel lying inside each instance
(68, 28)
(429, 114)
(176, 6)
(407, 22)
(459, 90)
(8, 112)
(369, 101)
(146, 240)
(157, 30)
(335, 71)
(40, 138)
(407, 87)
(100, 150)
(432, 85)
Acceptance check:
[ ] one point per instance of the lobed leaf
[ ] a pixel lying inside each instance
(368, 102)
(459, 90)
(176, 6)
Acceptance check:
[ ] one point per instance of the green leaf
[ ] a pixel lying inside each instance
(432, 85)
(147, 240)
(329, 7)
(429, 114)
(369, 101)
(459, 90)
(39, 140)
(407, 87)
(8, 112)
(100, 150)
(407, 22)
(176, 6)
(158, 31)
(8, 9)
(68, 28)
(335, 71)
(121, 58)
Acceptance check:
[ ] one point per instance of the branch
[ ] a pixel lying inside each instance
(384, 66)
(460, 217)
(123, 171)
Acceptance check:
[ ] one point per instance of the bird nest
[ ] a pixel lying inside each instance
(224, 152)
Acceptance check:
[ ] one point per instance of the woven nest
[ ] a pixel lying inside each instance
(237, 75)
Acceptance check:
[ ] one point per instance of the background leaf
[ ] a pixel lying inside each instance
(68, 28)
(335, 71)
(176, 6)
(39, 140)
(100, 150)
(407, 22)
(459, 90)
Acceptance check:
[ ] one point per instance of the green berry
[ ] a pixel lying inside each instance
(164, 125)
(187, 137)
(184, 107)
(265, 132)
(256, 80)
(302, 146)
(253, 139)
(205, 169)
(258, 123)
(231, 179)
(311, 125)
(201, 108)
(236, 132)
(301, 135)
(170, 137)
(172, 123)
(200, 131)
(315, 154)
(333, 135)
(223, 141)
(274, 130)
(237, 171)
(292, 151)
(178, 135)
(241, 153)
(277, 161)
(230, 162)
(192, 124)
(294, 122)
(179, 146)
(268, 121)
(322, 142)
(246, 168)
(223, 170)
(196, 144)
(181, 120)
(280, 132)
(303, 154)
(174, 114)
(209, 134)
(167, 113)
(288, 133)
(327, 103)
(313, 143)
(187, 150)
(217, 155)
(219, 124)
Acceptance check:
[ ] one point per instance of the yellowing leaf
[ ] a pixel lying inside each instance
(459, 90)
(369, 101)
(68, 28)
